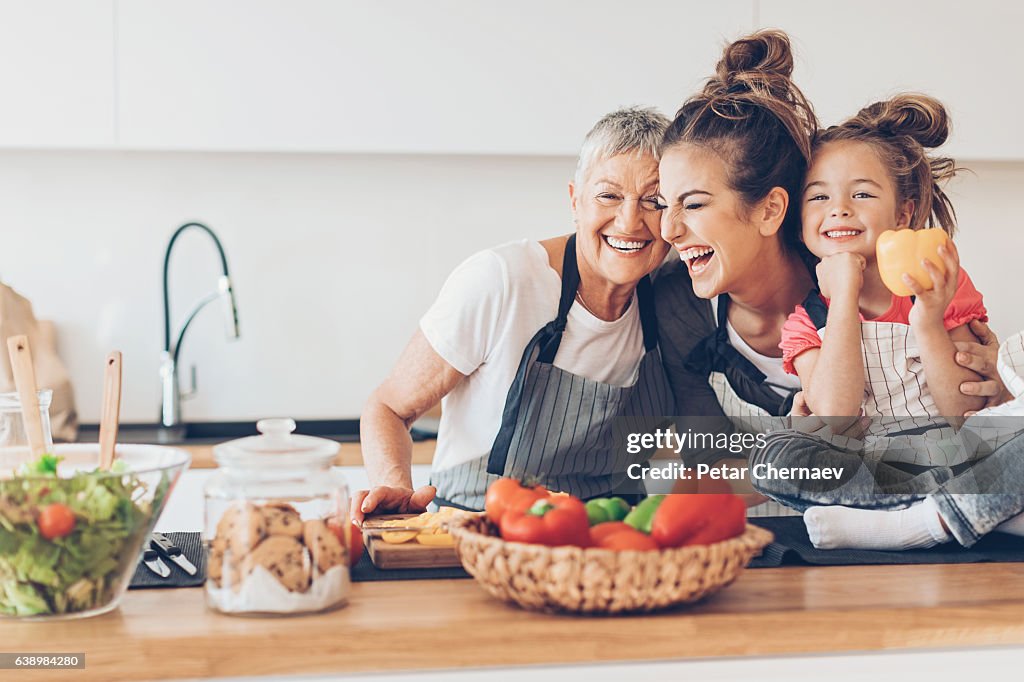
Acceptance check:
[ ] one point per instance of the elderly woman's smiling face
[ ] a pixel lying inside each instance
(615, 207)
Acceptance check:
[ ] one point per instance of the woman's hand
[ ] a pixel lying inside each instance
(981, 357)
(388, 499)
(931, 304)
(419, 380)
(841, 273)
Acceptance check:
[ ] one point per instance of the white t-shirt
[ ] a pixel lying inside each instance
(487, 312)
(779, 379)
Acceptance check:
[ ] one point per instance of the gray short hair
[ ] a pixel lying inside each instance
(633, 129)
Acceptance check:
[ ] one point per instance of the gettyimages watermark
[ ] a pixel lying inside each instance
(783, 456)
(677, 471)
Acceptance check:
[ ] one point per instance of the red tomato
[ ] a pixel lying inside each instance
(603, 530)
(681, 519)
(355, 536)
(506, 493)
(55, 521)
(630, 540)
(356, 546)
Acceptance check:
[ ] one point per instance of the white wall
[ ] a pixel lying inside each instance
(334, 258)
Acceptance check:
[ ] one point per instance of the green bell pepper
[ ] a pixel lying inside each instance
(643, 514)
(604, 509)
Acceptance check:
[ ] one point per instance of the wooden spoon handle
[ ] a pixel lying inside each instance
(25, 381)
(111, 409)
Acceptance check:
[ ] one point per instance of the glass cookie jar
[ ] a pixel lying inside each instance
(276, 522)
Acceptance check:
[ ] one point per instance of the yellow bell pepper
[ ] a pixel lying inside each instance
(901, 251)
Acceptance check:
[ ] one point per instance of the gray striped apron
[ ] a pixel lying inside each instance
(557, 427)
(906, 427)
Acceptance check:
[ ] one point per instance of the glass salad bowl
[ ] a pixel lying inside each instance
(71, 535)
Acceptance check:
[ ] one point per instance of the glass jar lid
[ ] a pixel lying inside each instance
(276, 447)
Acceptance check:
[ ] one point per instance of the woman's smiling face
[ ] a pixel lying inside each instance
(616, 213)
(704, 220)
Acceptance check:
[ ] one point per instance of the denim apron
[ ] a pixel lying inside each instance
(557, 427)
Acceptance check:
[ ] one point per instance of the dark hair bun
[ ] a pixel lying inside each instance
(917, 116)
(766, 52)
(761, 62)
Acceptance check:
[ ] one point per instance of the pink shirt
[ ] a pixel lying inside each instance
(799, 333)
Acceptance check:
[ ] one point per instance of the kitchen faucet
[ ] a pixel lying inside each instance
(170, 409)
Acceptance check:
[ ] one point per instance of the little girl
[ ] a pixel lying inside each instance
(867, 176)
(860, 349)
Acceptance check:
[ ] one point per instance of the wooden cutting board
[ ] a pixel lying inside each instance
(410, 554)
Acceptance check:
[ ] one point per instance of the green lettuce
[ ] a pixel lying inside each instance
(81, 570)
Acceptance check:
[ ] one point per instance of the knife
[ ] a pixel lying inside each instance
(153, 563)
(168, 550)
(377, 530)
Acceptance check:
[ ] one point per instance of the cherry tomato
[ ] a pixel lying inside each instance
(55, 521)
(506, 493)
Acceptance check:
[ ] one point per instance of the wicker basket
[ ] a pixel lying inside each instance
(576, 580)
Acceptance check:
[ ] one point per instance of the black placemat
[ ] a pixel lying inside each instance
(792, 547)
(365, 571)
(191, 544)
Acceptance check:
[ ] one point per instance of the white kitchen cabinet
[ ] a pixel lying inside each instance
(57, 73)
(969, 55)
(421, 76)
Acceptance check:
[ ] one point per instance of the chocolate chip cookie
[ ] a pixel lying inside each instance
(324, 546)
(242, 527)
(282, 519)
(284, 558)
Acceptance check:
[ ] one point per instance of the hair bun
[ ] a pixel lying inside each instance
(764, 58)
(917, 116)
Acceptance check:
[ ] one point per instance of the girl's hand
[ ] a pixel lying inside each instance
(841, 273)
(931, 304)
(981, 357)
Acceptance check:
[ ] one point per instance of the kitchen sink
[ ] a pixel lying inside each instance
(199, 433)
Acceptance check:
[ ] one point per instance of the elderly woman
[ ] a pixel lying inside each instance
(535, 348)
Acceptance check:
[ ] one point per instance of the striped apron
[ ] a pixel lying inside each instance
(906, 427)
(741, 388)
(557, 427)
(730, 373)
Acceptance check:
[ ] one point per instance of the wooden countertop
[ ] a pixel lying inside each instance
(349, 454)
(416, 625)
